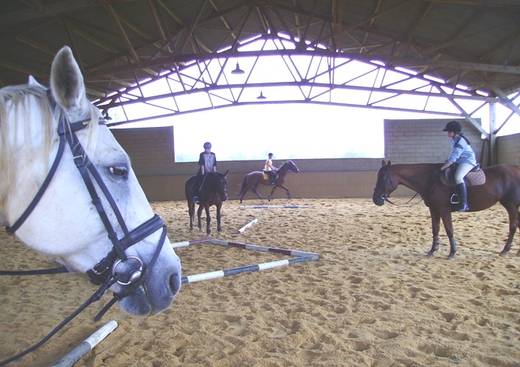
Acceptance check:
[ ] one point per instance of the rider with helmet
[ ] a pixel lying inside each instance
(207, 164)
(270, 169)
(464, 156)
(207, 160)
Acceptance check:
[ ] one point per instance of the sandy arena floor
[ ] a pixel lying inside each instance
(372, 300)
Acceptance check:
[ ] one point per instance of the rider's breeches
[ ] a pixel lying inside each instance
(462, 170)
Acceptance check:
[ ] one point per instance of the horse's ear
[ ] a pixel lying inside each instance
(225, 174)
(383, 163)
(389, 164)
(67, 85)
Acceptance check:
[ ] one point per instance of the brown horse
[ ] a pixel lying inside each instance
(253, 179)
(502, 185)
(211, 190)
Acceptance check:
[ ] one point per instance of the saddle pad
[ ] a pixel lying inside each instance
(473, 178)
(476, 178)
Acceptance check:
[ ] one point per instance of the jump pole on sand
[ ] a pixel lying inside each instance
(86, 345)
(297, 257)
(273, 206)
(243, 229)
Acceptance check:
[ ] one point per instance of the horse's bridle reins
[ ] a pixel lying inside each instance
(108, 271)
(387, 179)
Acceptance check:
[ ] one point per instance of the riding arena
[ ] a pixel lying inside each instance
(125, 247)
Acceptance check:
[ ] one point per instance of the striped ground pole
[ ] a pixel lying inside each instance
(273, 206)
(188, 243)
(297, 257)
(86, 346)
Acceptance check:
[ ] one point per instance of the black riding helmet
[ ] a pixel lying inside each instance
(453, 126)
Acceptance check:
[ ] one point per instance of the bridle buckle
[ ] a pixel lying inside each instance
(129, 275)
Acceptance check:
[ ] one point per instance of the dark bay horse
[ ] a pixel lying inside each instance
(253, 179)
(211, 190)
(502, 185)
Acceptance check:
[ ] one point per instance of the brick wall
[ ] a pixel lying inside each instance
(508, 149)
(151, 150)
(423, 141)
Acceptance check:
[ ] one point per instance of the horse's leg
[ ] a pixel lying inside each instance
(448, 226)
(286, 191)
(256, 192)
(191, 212)
(199, 213)
(272, 192)
(243, 190)
(208, 220)
(436, 222)
(219, 227)
(518, 221)
(513, 223)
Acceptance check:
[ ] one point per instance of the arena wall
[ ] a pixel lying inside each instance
(406, 141)
(152, 154)
(508, 149)
(423, 141)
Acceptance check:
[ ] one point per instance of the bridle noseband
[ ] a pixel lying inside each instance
(387, 182)
(116, 267)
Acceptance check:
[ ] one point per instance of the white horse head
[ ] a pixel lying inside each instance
(65, 224)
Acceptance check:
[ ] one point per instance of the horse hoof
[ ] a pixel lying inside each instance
(503, 252)
(430, 253)
(451, 256)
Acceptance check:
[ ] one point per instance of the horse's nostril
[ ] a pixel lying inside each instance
(175, 283)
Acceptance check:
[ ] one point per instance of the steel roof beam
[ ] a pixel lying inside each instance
(130, 121)
(504, 4)
(377, 7)
(295, 84)
(50, 10)
(466, 115)
(110, 9)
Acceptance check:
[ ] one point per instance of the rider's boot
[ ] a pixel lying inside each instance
(462, 192)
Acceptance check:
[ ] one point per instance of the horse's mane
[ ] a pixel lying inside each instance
(16, 100)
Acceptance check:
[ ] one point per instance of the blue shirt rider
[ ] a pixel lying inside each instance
(464, 156)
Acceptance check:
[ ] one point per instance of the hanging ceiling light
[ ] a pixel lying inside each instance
(237, 70)
(106, 116)
(261, 96)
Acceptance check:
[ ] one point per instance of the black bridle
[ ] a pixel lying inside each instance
(116, 267)
(387, 182)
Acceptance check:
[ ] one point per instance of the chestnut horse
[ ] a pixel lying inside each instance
(502, 185)
(253, 179)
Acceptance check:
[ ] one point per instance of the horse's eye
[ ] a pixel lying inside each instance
(118, 171)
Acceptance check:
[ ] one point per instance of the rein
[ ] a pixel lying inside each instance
(413, 197)
(106, 272)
